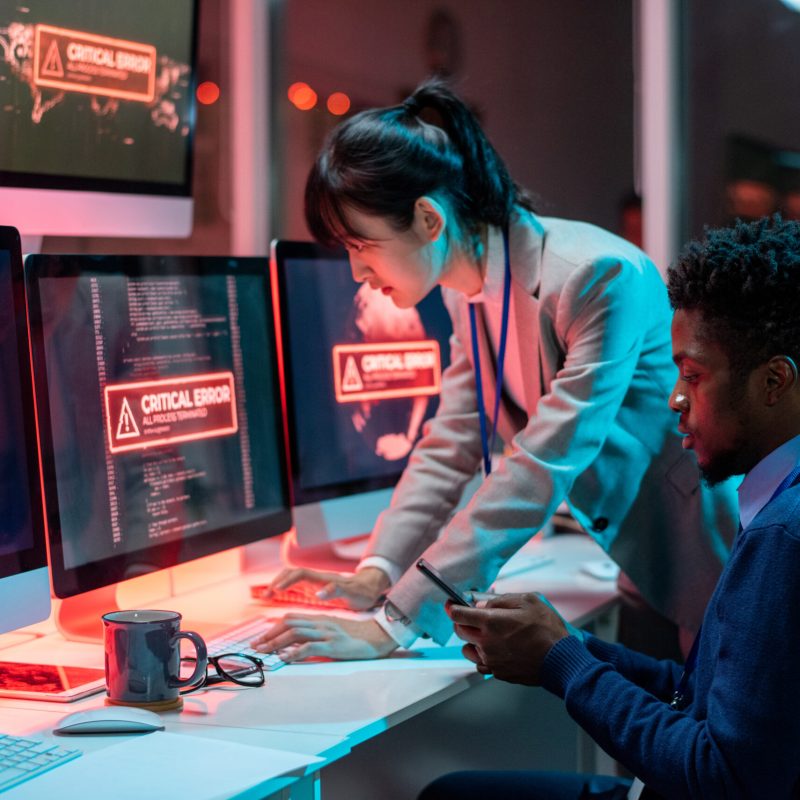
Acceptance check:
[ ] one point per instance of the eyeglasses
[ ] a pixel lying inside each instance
(238, 668)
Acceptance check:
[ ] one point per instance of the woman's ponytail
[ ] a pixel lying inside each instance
(487, 184)
(382, 160)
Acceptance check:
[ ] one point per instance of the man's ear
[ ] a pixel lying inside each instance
(430, 217)
(781, 376)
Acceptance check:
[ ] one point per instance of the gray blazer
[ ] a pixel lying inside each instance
(593, 322)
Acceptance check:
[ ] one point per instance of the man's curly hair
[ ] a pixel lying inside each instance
(745, 282)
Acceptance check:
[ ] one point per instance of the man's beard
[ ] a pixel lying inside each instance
(720, 470)
(724, 465)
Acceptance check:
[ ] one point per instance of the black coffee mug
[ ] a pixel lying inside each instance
(143, 658)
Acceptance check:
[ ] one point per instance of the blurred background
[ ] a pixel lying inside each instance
(584, 101)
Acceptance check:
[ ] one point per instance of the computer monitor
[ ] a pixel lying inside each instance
(361, 376)
(97, 115)
(162, 433)
(24, 583)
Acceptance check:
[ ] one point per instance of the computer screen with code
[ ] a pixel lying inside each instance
(97, 94)
(160, 412)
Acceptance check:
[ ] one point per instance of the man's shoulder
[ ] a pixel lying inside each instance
(780, 515)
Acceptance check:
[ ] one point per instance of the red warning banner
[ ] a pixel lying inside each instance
(151, 413)
(383, 371)
(84, 62)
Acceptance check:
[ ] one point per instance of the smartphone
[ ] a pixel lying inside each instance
(431, 572)
(49, 681)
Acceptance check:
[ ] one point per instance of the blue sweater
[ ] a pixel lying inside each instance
(739, 734)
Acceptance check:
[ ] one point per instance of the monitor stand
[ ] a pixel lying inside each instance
(79, 618)
(332, 534)
(338, 556)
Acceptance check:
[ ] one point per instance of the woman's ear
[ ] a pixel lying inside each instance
(430, 218)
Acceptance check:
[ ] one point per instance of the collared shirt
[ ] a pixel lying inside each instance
(761, 482)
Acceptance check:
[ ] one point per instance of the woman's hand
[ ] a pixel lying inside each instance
(316, 636)
(360, 591)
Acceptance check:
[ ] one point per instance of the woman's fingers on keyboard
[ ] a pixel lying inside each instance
(301, 652)
(329, 591)
(290, 630)
(290, 576)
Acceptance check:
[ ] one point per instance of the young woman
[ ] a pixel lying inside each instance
(560, 347)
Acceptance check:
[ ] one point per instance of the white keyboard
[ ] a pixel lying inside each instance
(237, 640)
(22, 759)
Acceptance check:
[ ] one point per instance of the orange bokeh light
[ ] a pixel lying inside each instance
(338, 103)
(302, 96)
(207, 93)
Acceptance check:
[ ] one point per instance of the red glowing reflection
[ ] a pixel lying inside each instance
(207, 93)
(338, 103)
(302, 96)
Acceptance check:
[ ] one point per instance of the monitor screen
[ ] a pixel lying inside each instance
(24, 583)
(95, 96)
(160, 411)
(362, 376)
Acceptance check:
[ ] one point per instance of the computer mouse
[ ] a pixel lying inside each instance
(110, 719)
(603, 569)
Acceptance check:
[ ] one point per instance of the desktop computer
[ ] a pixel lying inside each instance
(97, 116)
(160, 417)
(24, 583)
(361, 378)
(24, 586)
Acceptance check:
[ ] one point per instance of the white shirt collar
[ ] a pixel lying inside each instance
(761, 482)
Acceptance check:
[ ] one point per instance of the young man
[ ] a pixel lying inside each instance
(733, 727)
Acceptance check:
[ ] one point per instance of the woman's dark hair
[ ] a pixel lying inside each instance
(745, 282)
(382, 160)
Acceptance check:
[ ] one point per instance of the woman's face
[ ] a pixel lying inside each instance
(403, 265)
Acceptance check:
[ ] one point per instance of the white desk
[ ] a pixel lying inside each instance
(325, 709)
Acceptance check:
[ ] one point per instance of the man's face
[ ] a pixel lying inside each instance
(719, 411)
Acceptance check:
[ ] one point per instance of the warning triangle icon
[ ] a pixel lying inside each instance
(351, 382)
(52, 66)
(126, 428)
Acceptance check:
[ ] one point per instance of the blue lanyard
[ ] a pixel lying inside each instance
(691, 661)
(486, 444)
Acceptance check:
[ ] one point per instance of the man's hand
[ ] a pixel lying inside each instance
(509, 636)
(360, 591)
(313, 636)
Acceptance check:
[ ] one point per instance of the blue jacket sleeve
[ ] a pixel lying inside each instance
(658, 677)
